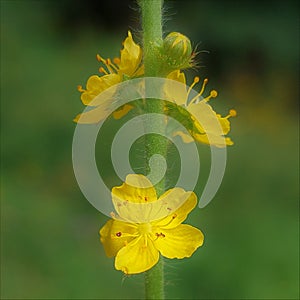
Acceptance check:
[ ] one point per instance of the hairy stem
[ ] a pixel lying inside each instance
(155, 144)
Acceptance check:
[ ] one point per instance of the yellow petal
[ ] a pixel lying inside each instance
(138, 256)
(186, 138)
(225, 124)
(176, 92)
(208, 122)
(87, 97)
(214, 140)
(228, 141)
(131, 56)
(137, 188)
(178, 76)
(114, 235)
(180, 214)
(110, 80)
(96, 85)
(178, 242)
(93, 116)
(132, 200)
(118, 114)
(167, 205)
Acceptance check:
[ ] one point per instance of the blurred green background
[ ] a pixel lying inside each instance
(49, 232)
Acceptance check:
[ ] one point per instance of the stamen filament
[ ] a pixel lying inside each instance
(100, 58)
(196, 80)
(102, 70)
(108, 66)
(112, 65)
(205, 81)
(174, 216)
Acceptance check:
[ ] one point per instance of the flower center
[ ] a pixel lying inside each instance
(144, 228)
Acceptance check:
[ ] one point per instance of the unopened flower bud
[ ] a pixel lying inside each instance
(178, 51)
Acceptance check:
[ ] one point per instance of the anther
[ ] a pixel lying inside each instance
(99, 58)
(212, 94)
(232, 113)
(117, 60)
(102, 70)
(80, 89)
(160, 234)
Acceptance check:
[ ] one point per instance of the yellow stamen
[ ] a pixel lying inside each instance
(232, 113)
(100, 58)
(196, 80)
(102, 70)
(213, 94)
(205, 81)
(80, 89)
(112, 65)
(117, 60)
(107, 64)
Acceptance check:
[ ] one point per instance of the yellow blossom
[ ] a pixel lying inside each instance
(123, 68)
(147, 226)
(208, 126)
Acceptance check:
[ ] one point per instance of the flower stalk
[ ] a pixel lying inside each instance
(154, 281)
(152, 43)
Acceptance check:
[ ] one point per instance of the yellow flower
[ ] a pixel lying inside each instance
(123, 68)
(208, 126)
(147, 227)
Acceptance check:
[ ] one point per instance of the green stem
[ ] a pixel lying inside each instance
(152, 41)
(154, 282)
(152, 34)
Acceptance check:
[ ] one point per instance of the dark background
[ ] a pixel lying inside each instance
(50, 246)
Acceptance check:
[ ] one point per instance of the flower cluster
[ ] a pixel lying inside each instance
(204, 126)
(143, 226)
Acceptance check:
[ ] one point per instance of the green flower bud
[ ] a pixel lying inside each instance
(177, 50)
